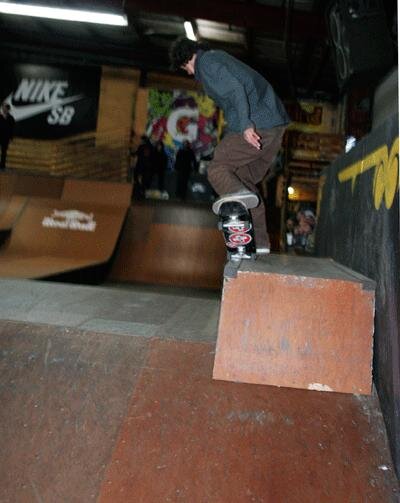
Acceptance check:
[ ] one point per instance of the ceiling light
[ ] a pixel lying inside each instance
(189, 30)
(84, 16)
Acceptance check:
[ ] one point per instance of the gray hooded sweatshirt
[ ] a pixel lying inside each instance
(245, 96)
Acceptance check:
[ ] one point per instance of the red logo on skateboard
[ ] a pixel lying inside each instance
(239, 228)
(238, 239)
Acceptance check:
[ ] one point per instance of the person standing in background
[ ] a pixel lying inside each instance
(143, 170)
(6, 132)
(184, 164)
(160, 165)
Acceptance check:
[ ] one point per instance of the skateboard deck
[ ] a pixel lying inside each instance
(237, 227)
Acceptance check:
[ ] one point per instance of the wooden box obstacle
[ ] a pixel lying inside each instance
(298, 322)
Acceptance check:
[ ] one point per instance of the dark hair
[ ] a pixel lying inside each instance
(182, 51)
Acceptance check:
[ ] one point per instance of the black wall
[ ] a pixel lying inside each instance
(359, 227)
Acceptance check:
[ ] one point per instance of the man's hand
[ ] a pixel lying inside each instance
(252, 137)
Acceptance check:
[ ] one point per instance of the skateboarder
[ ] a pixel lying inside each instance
(256, 121)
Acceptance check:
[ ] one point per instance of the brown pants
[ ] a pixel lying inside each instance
(238, 165)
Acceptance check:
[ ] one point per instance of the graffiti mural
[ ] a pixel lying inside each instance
(176, 116)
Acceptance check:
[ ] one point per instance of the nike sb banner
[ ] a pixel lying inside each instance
(49, 102)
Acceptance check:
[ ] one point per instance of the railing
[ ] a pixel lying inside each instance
(102, 156)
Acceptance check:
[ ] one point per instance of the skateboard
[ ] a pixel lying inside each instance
(237, 227)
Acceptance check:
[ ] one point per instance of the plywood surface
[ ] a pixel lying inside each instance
(107, 418)
(52, 236)
(171, 244)
(308, 327)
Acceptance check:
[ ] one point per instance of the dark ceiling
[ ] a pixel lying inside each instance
(286, 40)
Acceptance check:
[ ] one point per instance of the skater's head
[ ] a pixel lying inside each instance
(183, 54)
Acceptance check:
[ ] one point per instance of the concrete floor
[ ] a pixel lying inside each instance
(140, 310)
(107, 395)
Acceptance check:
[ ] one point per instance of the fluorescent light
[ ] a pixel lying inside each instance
(84, 16)
(189, 30)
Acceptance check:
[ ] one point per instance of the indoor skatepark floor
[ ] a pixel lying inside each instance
(107, 396)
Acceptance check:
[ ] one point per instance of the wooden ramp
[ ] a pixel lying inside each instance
(90, 415)
(169, 243)
(297, 321)
(15, 190)
(11, 207)
(54, 236)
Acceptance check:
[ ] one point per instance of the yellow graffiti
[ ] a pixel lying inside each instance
(221, 123)
(205, 104)
(386, 175)
(168, 140)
